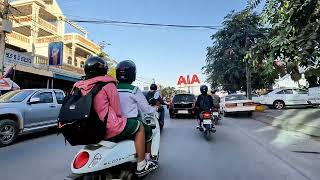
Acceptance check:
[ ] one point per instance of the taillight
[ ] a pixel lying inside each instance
(206, 115)
(229, 105)
(81, 160)
(249, 104)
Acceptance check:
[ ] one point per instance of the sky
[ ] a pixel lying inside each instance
(160, 53)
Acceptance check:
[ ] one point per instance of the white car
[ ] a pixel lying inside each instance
(236, 103)
(279, 98)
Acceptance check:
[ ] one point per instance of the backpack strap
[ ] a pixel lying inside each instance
(98, 87)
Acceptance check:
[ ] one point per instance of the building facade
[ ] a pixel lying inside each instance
(36, 23)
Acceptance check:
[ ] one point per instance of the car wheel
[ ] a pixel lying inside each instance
(8, 132)
(250, 113)
(278, 104)
(225, 114)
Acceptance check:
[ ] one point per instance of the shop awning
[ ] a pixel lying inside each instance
(66, 77)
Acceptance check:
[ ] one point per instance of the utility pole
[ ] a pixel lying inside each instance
(4, 16)
(248, 77)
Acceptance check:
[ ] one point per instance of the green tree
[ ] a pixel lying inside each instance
(294, 34)
(168, 92)
(227, 57)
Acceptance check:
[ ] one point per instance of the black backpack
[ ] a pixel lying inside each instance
(78, 121)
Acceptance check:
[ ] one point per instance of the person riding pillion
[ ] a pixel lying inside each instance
(132, 102)
(107, 105)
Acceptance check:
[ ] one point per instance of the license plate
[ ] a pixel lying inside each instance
(207, 121)
(240, 105)
(183, 112)
(215, 114)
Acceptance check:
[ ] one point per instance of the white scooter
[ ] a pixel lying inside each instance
(110, 161)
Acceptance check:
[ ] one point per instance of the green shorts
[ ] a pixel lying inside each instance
(131, 129)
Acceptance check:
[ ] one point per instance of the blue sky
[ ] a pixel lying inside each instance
(159, 53)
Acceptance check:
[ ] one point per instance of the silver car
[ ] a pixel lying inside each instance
(27, 111)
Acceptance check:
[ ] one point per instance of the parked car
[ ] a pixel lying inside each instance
(256, 98)
(182, 104)
(236, 103)
(314, 96)
(279, 98)
(27, 111)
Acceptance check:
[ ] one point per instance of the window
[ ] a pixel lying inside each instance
(75, 62)
(280, 92)
(235, 97)
(82, 64)
(288, 91)
(300, 91)
(69, 60)
(45, 97)
(15, 96)
(60, 97)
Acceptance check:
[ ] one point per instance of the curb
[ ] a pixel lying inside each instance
(284, 124)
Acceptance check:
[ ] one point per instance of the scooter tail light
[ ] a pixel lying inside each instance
(81, 160)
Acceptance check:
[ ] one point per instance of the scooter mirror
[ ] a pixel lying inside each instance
(156, 95)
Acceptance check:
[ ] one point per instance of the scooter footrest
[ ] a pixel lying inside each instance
(73, 177)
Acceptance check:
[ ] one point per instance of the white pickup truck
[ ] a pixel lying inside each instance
(27, 111)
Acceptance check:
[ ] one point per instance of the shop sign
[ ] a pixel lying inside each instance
(188, 81)
(16, 57)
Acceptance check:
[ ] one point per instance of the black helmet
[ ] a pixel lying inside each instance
(153, 87)
(95, 66)
(126, 71)
(204, 89)
(213, 91)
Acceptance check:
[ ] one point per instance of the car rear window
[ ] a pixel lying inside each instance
(235, 97)
(184, 97)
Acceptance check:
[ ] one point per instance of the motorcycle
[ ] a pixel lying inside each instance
(155, 102)
(108, 160)
(216, 116)
(207, 124)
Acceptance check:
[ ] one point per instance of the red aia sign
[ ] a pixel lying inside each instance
(184, 81)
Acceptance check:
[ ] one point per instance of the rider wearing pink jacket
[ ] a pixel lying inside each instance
(106, 100)
(107, 105)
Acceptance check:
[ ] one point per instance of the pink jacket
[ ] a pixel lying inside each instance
(106, 99)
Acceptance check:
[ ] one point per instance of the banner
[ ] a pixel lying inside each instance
(55, 53)
(15, 57)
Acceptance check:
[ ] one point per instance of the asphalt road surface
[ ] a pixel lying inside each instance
(234, 153)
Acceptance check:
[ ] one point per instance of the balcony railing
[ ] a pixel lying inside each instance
(47, 26)
(82, 41)
(44, 62)
(41, 23)
(19, 37)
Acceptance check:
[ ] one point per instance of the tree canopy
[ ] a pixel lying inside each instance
(227, 57)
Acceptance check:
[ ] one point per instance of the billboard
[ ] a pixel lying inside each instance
(55, 53)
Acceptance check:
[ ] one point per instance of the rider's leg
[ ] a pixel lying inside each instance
(139, 142)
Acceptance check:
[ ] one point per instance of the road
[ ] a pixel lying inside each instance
(241, 149)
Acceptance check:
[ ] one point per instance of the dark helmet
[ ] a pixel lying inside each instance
(213, 91)
(126, 71)
(153, 87)
(204, 89)
(95, 66)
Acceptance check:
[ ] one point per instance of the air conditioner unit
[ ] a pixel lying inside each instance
(5, 25)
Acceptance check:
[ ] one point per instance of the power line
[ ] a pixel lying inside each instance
(113, 22)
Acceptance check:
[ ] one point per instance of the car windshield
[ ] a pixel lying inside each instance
(15, 96)
(183, 98)
(235, 97)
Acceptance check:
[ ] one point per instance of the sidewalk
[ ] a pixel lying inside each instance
(306, 121)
